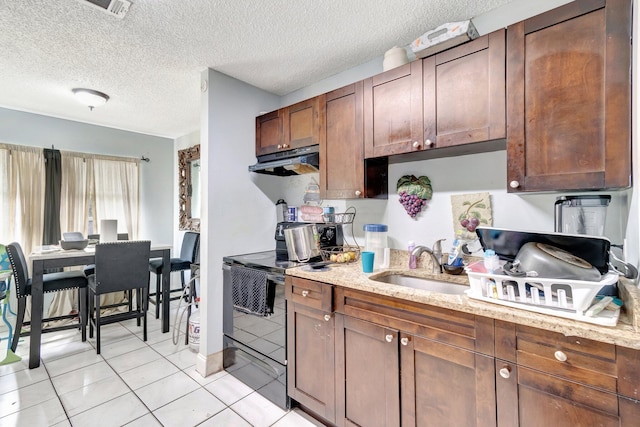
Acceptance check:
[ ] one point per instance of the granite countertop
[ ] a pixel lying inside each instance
(626, 333)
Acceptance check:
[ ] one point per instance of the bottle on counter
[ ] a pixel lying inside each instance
(412, 258)
(455, 255)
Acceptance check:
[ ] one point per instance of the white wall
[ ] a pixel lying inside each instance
(157, 202)
(238, 212)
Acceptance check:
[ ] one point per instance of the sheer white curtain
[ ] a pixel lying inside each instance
(75, 191)
(22, 180)
(116, 192)
(74, 211)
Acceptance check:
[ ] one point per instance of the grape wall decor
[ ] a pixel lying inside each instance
(469, 212)
(413, 193)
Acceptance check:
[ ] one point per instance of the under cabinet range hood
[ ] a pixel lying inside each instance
(286, 163)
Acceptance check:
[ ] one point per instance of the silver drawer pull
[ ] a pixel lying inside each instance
(560, 356)
(327, 317)
(505, 372)
(388, 338)
(305, 293)
(404, 341)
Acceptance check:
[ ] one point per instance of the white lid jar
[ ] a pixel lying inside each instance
(394, 57)
(375, 238)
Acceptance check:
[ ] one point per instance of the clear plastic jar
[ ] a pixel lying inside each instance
(375, 238)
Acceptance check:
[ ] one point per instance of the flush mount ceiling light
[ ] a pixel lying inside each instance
(89, 97)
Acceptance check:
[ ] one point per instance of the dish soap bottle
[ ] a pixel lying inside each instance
(412, 258)
(455, 255)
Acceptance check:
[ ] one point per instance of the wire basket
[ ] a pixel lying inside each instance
(341, 254)
(339, 218)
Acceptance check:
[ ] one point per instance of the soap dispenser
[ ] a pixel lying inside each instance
(412, 257)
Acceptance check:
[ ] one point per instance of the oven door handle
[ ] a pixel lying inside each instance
(277, 278)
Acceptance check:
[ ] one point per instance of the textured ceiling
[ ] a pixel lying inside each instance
(149, 63)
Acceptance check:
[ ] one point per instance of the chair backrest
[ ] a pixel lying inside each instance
(122, 265)
(121, 236)
(20, 268)
(190, 246)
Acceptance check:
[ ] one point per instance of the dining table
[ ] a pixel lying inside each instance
(48, 257)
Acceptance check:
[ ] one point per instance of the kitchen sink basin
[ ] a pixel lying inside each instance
(432, 285)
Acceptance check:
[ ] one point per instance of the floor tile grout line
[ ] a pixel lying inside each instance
(161, 356)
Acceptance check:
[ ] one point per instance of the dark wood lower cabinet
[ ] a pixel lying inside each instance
(311, 347)
(443, 385)
(529, 398)
(367, 374)
(360, 359)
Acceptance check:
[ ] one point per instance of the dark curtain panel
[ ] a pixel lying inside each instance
(53, 183)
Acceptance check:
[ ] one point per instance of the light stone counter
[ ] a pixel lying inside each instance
(626, 333)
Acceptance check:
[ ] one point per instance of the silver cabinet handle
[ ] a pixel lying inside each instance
(285, 146)
(279, 146)
(560, 356)
(404, 341)
(416, 144)
(514, 184)
(428, 143)
(505, 372)
(305, 293)
(388, 338)
(327, 317)
(358, 193)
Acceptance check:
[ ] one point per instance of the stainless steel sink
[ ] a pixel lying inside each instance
(432, 285)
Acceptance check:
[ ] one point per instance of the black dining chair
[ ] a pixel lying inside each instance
(51, 282)
(188, 255)
(120, 266)
(89, 269)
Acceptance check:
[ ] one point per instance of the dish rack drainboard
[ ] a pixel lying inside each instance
(557, 297)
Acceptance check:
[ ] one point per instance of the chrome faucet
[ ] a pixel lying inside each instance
(436, 254)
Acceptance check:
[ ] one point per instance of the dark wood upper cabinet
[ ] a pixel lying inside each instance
(464, 93)
(393, 111)
(342, 155)
(295, 126)
(269, 133)
(303, 123)
(344, 172)
(569, 98)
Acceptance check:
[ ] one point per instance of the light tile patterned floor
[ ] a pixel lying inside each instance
(133, 383)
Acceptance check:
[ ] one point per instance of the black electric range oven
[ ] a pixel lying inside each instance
(254, 345)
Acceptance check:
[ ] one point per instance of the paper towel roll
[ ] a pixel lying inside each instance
(108, 230)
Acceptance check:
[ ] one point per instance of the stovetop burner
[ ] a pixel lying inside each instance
(267, 260)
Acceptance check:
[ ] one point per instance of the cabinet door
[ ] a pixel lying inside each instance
(529, 398)
(269, 133)
(464, 93)
(342, 155)
(393, 111)
(303, 122)
(367, 374)
(310, 358)
(444, 385)
(569, 99)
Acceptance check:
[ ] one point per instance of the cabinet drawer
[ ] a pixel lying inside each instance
(439, 324)
(309, 293)
(577, 359)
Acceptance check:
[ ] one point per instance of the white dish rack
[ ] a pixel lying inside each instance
(556, 297)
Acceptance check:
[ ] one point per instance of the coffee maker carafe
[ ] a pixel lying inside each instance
(581, 214)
